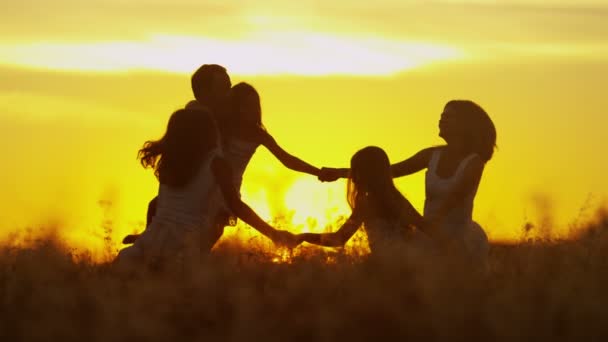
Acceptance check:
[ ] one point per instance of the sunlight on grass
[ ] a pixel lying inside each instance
(542, 290)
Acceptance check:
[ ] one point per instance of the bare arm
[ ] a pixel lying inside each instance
(223, 175)
(417, 162)
(285, 158)
(335, 239)
(330, 174)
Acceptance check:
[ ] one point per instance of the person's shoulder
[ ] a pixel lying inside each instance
(195, 105)
(427, 153)
(474, 165)
(434, 149)
(475, 161)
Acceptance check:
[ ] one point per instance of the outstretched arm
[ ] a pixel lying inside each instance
(335, 239)
(417, 162)
(330, 174)
(222, 173)
(287, 159)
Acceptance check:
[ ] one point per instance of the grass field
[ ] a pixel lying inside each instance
(538, 289)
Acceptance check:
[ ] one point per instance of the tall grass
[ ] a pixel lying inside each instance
(541, 289)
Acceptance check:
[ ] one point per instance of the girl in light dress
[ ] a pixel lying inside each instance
(389, 220)
(195, 181)
(453, 175)
(242, 132)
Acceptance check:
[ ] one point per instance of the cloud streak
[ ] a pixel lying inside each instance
(294, 53)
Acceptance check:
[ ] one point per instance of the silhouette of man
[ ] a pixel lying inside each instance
(210, 86)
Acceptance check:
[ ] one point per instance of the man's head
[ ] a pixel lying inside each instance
(210, 84)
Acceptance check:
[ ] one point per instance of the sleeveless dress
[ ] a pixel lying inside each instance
(237, 154)
(458, 225)
(387, 236)
(183, 223)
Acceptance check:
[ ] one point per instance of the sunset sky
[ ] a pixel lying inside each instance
(85, 83)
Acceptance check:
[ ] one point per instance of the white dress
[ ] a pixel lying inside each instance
(183, 222)
(458, 224)
(238, 153)
(387, 236)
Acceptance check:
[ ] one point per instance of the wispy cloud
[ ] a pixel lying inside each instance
(296, 53)
(303, 38)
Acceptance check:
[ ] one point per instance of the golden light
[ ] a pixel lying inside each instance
(313, 205)
(309, 206)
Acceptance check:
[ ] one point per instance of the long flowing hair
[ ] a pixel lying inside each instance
(371, 183)
(190, 136)
(478, 129)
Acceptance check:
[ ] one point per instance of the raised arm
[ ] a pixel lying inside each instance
(335, 239)
(417, 162)
(285, 158)
(223, 175)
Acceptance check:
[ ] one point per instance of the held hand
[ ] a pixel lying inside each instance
(286, 239)
(328, 174)
(302, 237)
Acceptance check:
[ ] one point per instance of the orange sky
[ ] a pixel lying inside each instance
(84, 84)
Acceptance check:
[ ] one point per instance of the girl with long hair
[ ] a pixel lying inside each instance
(194, 179)
(387, 216)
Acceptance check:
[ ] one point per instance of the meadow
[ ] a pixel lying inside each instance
(538, 289)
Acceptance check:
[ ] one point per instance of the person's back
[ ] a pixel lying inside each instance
(238, 154)
(187, 191)
(191, 204)
(388, 233)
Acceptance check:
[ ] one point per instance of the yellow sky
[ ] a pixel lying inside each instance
(85, 83)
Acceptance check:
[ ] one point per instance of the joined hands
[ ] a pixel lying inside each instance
(286, 239)
(329, 174)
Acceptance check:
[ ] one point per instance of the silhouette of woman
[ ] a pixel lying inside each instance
(453, 175)
(193, 179)
(388, 218)
(242, 132)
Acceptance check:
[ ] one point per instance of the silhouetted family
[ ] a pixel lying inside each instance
(208, 144)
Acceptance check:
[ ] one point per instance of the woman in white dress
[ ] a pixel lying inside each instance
(195, 180)
(390, 221)
(453, 175)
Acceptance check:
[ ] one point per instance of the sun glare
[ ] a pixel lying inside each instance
(313, 206)
(265, 53)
